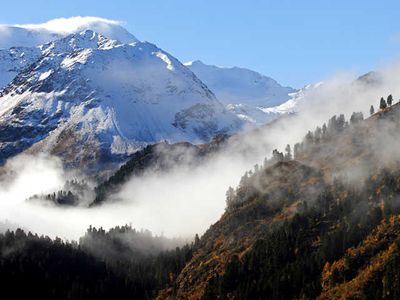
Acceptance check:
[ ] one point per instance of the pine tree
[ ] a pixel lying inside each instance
(277, 156)
(309, 138)
(265, 163)
(318, 134)
(230, 196)
(296, 150)
(341, 123)
(390, 100)
(371, 110)
(288, 154)
(196, 240)
(356, 117)
(382, 104)
(324, 130)
(256, 168)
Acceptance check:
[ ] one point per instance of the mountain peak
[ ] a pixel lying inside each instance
(86, 39)
(29, 35)
(113, 97)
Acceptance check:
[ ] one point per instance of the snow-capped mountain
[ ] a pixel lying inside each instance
(14, 60)
(86, 89)
(31, 35)
(239, 85)
(244, 92)
(89, 98)
(292, 105)
(262, 115)
(19, 44)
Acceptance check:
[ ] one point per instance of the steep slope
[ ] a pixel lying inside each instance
(288, 221)
(275, 199)
(368, 270)
(110, 97)
(245, 92)
(14, 60)
(157, 158)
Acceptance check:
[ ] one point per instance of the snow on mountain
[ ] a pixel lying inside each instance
(239, 85)
(246, 93)
(292, 105)
(14, 60)
(30, 35)
(258, 115)
(89, 98)
(25, 40)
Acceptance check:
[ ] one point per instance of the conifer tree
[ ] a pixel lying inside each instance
(318, 134)
(309, 138)
(371, 110)
(288, 154)
(230, 196)
(196, 240)
(277, 156)
(390, 100)
(324, 130)
(356, 117)
(296, 150)
(382, 104)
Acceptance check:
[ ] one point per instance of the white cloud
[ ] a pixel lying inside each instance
(30, 35)
(68, 25)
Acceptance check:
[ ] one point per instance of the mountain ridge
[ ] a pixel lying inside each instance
(89, 84)
(290, 215)
(253, 97)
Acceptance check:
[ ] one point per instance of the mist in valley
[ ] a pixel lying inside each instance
(186, 199)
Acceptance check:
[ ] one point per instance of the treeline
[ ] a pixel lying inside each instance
(56, 269)
(291, 257)
(334, 126)
(73, 193)
(137, 163)
(288, 261)
(329, 130)
(38, 267)
(158, 158)
(153, 158)
(306, 149)
(125, 242)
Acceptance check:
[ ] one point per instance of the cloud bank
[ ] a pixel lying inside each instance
(68, 25)
(185, 200)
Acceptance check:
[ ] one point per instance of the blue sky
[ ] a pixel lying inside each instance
(295, 42)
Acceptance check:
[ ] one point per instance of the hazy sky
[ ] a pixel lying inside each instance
(295, 42)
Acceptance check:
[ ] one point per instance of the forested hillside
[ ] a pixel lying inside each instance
(121, 263)
(319, 220)
(157, 158)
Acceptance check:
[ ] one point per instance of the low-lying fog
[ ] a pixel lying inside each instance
(186, 200)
